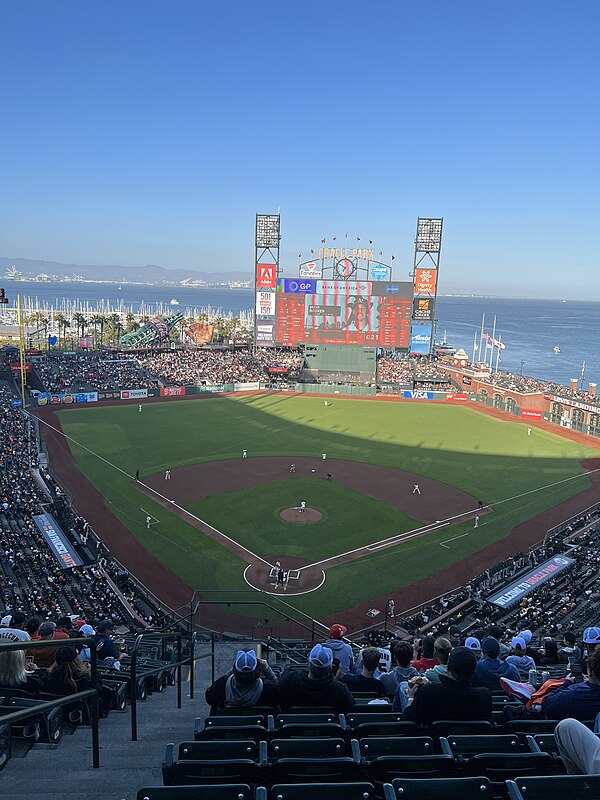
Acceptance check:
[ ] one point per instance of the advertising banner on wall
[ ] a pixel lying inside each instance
(266, 275)
(425, 280)
(512, 593)
(264, 332)
(265, 304)
(422, 308)
(417, 394)
(532, 413)
(61, 548)
(420, 339)
(133, 394)
(251, 386)
(310, 270)
(457, 396)
(172, 391)
(45, 398)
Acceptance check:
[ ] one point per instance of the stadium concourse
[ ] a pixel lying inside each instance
(552, 627)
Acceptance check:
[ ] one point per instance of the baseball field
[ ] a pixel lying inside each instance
(222, 521)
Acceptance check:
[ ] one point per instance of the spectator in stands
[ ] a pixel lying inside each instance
(569, 651)
(531, 651)
(519, 656)
(105, 647)
(423, 654)
(44, 657)
(366, 681)
(474, 644)
(497, 631)
(68, 674)
(318, 687)
(579, 748)
(63, 628)
(341, 650)
(402, 654)
(578, 700)
(12, 628)
(15, 673)
(442, 648)
(454, 697)
(490, 668)
(550, 654)
(32, 626)
(251, 682)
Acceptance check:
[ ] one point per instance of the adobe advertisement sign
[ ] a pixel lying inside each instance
(61, 548)
(265, 276)
(512, 593)
(425, 281)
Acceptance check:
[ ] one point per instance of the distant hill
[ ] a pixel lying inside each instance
(151, 272)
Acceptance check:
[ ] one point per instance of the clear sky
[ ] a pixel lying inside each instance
(138, 131)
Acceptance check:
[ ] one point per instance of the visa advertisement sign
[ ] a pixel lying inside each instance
(420, 339)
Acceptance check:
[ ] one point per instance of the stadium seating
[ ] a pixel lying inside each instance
(561, 787)
(438, 789)
(214, 762)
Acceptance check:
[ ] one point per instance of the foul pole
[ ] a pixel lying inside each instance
(21, 349)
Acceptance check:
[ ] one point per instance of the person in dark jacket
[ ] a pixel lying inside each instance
(251, 682)
(576, 700)
(454, 697)
(318, 687)
(491, 668)
(68, 674)
(365, 680)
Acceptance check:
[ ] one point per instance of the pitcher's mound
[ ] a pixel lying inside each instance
(301, 517)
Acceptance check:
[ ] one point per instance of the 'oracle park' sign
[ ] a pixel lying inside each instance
(512, 593)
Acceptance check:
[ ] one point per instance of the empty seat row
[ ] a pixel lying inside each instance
(562, 787)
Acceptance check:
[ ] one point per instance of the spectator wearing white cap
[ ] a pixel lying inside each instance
(318, 687)
(11, 628)
(251, 682)
(519, 656)
(473, 643)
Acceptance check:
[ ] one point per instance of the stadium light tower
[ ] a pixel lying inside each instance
(266, 269)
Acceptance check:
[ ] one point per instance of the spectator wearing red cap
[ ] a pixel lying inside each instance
(341, 650)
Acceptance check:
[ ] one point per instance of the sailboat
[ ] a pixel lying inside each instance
(556, 349)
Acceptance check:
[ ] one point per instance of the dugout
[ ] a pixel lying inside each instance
(339, 363)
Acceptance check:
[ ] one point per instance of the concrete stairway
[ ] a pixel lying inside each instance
(53, 772)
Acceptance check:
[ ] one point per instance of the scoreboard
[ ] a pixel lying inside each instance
(306, 311)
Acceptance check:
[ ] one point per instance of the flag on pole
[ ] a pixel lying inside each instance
(322, 241)
(358, 238)
(334, 238)
(393, 257)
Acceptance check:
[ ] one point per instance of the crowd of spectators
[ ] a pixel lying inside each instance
(404, 369)
(91, 372)
(526, 385)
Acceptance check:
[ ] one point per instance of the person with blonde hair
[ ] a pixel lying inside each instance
(15, 673)
(441, 651)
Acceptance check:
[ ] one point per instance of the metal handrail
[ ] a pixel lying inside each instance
(62, 701)
(134, 675)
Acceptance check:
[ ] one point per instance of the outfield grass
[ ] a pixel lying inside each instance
(486, 457)
(251, 517)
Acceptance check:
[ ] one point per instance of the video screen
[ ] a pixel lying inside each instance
(344, 312)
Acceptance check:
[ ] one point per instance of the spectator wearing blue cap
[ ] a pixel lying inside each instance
(491, 668)
(251, 682)
(318, 687)
(531, 651)
(519, 656)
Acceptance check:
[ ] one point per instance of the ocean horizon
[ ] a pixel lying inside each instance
(529, 328)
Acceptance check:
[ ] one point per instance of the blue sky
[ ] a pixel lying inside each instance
(152, 132)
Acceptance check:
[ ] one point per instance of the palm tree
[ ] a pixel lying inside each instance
(63, 324)
(80, 320)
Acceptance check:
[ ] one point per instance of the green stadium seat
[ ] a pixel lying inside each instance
(213, 762)
(308, 760)
(310, 731)
(223, 791)
(305, 719)
(530, 726)
(355, 718)
(499, 767)
(309, 710)
(438, 789)
(556, 787)
(250, 711)
(225, 728)
(372, 747)
(445, 727)
(50, 722)
(467, 746)
(365, 729)
(385, 769)
(320, 791)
